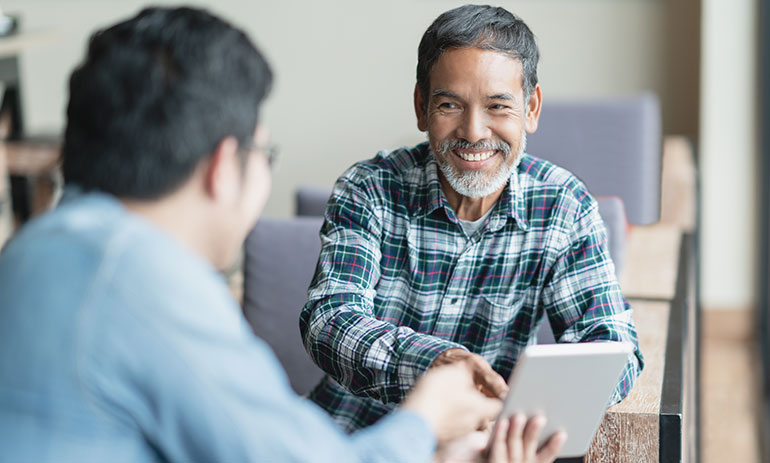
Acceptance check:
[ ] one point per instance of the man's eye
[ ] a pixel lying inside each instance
(447, 106)
(498, 107)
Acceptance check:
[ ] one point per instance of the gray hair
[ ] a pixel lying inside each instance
(479, 26)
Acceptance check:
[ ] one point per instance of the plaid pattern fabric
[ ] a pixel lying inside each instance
(398, 281)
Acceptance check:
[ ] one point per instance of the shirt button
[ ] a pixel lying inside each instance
(454, 300)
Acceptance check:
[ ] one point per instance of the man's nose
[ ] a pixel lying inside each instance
(474, 127)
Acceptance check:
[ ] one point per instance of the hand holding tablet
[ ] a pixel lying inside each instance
(515, 442)
(568, 384)
(517, 439)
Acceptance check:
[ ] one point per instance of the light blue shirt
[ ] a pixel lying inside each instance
(119, 344)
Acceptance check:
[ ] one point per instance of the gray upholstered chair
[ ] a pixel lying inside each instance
(279, 262)
(614, 146)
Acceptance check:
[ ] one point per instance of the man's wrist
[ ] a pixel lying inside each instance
(449, 356)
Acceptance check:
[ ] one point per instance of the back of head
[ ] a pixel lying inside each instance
(154, 96)
(479, 26)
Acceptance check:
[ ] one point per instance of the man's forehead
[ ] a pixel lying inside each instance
(498, 73)
(446, 93)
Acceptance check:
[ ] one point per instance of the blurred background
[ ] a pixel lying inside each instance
(346, 71)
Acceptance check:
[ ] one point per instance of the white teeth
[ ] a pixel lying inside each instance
(476, 156)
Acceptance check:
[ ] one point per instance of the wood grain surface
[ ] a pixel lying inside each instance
(651, 262)
(678, 196)
(629, 431)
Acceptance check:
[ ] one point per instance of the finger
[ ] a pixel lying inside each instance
(515, 433)
(550, 449)
(498, 451)
(531, 434)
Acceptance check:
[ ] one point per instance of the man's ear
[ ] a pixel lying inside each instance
(222, 172)
(420, 109)
(533, 109)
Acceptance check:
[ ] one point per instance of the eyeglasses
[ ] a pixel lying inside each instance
(271, 152)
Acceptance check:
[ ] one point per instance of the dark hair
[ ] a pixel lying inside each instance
(154, 96)
(479, 26)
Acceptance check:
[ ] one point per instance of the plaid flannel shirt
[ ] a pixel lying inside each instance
(398, 280)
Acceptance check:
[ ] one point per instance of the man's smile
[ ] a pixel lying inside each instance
(470, 155)
(470, 159)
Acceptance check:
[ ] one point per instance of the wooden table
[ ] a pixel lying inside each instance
(652, 257)
(658, 421)
(630, 431)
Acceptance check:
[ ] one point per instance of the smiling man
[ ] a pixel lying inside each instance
(455, 250)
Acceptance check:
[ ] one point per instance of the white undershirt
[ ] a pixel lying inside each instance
(472, 227)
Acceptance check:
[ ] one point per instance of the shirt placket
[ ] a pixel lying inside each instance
(455, 296)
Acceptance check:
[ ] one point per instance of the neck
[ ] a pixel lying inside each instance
(468, 208)
(177, 214)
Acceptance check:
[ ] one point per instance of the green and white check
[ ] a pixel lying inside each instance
(398, 280)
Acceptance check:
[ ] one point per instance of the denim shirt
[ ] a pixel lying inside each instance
(119, 344)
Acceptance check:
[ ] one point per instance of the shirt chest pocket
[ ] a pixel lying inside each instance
(495, 321)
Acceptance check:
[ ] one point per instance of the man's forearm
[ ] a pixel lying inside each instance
(367, 356)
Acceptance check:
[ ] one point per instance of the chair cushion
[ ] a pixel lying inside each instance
(280, 260)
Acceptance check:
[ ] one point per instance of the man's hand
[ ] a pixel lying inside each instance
(515, 441)
(447, 398)
(486, 379)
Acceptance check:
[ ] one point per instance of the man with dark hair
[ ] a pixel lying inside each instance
(119, 341)
(455, 250)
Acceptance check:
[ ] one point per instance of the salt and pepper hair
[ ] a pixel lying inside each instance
(478, 26)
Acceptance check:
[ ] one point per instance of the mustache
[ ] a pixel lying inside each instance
(481, 145)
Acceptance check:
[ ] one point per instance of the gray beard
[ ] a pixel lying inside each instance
(478, 184)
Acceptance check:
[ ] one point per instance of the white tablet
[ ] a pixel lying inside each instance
(570, 384)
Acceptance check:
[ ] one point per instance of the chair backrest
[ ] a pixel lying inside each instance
(311, 200)
(614, 146)
(280, 259)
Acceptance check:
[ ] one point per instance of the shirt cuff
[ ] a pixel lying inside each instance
(402, 436)
(417, 357)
